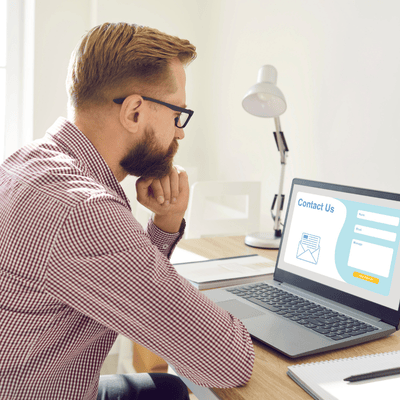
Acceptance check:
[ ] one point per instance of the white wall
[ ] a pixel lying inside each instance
(338, 65)
(58, 27)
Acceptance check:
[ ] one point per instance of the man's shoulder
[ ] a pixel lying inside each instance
(46, 167)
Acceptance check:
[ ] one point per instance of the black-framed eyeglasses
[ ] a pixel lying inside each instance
(180, 122)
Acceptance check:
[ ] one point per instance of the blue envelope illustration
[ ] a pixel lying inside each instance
(309, 248)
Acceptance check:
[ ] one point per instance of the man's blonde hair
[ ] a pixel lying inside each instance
(112, 56)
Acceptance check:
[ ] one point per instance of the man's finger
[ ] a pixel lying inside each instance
(158, 191)
(183, 180)
(142, 188)
(174, 184)
(165, 183)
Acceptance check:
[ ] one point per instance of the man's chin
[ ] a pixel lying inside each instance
(146, 162)
(156, 173)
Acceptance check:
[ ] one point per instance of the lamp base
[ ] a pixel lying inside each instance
(263, 240)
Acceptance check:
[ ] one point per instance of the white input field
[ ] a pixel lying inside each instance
(381, 218)
(370, 257)
(376, 233)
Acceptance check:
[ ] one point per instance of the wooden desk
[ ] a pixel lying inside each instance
(269, 379)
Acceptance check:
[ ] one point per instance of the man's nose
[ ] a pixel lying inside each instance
(179, 133)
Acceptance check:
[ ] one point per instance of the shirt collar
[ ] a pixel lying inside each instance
(80, 147)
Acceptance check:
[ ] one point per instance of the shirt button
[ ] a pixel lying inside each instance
(165, 246)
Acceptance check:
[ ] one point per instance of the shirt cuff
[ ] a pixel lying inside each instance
(166, 242)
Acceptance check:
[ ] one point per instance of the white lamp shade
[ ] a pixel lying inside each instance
(265, 99)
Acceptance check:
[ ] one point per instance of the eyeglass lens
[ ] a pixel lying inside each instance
(181, 120)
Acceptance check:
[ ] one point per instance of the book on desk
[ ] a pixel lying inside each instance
(225, 272)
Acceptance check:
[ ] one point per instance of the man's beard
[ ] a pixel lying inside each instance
(147, 159)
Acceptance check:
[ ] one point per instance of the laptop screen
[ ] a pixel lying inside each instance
(344, 238)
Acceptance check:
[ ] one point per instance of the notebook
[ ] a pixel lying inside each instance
(325, 380)
(337, 278)
(208, 274)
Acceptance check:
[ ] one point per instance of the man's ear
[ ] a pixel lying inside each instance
(132, 113)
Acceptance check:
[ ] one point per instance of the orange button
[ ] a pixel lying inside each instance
(364, 277)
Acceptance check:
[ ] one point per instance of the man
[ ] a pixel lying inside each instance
(76, 268)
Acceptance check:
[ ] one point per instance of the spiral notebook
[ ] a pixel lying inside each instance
(325, 380)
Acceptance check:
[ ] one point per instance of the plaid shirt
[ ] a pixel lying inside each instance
(76, 269)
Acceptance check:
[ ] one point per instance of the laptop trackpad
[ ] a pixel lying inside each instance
(239, 310)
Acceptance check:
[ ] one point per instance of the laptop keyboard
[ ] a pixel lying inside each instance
(320, 319)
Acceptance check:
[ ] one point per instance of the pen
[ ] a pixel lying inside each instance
(372, 375)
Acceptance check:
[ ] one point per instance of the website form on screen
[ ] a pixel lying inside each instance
(346, 241)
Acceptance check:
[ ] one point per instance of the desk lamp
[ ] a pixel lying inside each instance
(265, 100)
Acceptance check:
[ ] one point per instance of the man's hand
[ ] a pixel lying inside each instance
(167, 198)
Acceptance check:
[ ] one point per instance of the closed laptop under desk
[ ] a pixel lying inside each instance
(269, 379)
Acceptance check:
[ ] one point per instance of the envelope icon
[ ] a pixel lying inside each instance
(308, 253)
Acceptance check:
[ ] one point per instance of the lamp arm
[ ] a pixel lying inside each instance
(277, 218)
(282, 147)
(280, 140)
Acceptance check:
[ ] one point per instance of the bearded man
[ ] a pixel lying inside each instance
(76, 268)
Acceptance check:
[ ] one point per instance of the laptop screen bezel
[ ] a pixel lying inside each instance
(386, 314)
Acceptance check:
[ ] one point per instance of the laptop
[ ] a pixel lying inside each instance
(337, 277)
